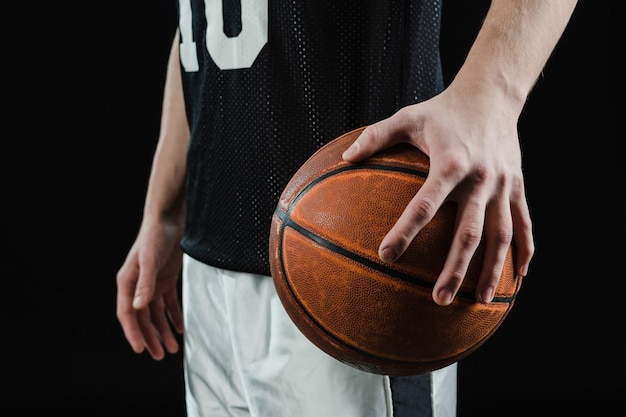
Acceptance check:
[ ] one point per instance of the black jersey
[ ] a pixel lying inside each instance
(267, 83)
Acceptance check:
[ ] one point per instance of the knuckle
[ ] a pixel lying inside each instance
(502, 182)
(482, 174)
(422, 210)
(121, 315)
(503, 236)
(371, 134)
(454, 167)
(469, 236)
(517, 190)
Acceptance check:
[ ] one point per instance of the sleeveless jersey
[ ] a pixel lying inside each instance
(266, 83)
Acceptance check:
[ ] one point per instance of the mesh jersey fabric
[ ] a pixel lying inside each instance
(323, 67)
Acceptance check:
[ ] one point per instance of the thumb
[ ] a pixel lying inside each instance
(144, 291)
(375, 138)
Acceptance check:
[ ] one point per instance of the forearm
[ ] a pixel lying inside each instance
(512, 48)
(165, 199)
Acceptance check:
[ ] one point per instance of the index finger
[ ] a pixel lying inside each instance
(420, 210)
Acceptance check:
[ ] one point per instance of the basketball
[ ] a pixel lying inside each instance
(375, 316)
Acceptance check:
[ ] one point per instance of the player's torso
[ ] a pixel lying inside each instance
(269, 82)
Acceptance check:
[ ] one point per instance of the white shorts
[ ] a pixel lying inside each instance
(243, 356)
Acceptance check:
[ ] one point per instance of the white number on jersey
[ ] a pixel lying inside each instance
(226, 52)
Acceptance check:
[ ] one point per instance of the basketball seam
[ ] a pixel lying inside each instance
(388, 362)
(287, 221)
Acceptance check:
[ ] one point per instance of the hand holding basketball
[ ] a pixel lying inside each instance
(371, 314)
(481, 173)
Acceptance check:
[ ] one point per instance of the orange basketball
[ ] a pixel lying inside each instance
(375, 316)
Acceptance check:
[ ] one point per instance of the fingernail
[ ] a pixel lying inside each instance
(445, 296)
(487, 295)
(137, 301)
(349, 153)
(388, 254)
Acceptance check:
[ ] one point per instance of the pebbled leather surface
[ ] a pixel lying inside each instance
(373, 315)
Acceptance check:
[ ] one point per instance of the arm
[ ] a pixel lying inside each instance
(515, 41)
(147, 299)
(165, 198)
(469, 132)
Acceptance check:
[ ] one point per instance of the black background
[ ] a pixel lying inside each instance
(85, 84)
